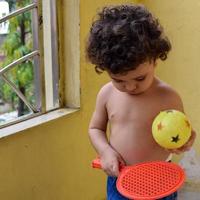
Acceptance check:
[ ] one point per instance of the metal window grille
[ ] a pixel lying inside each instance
(33, 6)
(34, 55)
(46, 71)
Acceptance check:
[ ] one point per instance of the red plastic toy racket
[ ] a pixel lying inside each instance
(148, 181)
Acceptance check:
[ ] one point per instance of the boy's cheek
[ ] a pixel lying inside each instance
(118, 86)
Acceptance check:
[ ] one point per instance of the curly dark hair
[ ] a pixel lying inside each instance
(124, 36)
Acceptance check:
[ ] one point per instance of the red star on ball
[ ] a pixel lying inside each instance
(160, 126)
(187, 123)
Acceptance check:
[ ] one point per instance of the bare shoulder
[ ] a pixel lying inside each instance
(100, 116)
(105, 92)
(169, 96)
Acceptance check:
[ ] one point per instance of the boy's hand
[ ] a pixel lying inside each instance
(185, 147)
(110, 161)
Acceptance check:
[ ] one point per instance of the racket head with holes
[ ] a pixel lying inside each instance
(151, 180)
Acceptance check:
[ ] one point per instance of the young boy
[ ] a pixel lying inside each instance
(126, 41)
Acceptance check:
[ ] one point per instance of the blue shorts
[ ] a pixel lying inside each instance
(113, 194)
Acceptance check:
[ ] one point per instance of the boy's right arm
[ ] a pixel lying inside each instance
(97, 132)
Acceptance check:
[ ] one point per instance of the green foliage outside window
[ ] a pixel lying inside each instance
(18, 42)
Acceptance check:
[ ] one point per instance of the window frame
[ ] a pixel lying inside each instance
(69, 79)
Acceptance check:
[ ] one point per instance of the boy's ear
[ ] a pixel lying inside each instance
(155, 63)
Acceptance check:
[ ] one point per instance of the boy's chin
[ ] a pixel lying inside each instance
(135, 93)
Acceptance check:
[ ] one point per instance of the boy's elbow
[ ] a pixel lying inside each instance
(92, 130)
(89, 132)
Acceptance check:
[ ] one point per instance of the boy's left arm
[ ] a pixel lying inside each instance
(175, 102)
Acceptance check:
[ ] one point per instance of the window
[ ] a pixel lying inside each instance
(29, 71)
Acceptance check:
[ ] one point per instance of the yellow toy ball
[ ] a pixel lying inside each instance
(171, 129)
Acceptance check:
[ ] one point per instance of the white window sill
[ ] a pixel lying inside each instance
(35, 121)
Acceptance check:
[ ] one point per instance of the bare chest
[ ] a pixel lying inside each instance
(127, 109)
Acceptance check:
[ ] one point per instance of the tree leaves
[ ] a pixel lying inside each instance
(18, 43)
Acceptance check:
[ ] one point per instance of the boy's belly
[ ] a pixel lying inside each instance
(137, 147)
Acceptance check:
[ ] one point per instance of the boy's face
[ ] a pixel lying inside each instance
(135, 81)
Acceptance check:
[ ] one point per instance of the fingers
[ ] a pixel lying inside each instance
(111, 162)
(176, 151)
(115, 170)
(121, 162)
(112, 170)
(181, 149)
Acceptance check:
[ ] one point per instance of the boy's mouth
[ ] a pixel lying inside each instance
(133, 92)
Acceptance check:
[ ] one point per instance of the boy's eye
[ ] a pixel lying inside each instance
(118, 81)
(140, 78)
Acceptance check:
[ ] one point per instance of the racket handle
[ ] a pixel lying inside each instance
(96, 163)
